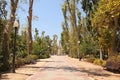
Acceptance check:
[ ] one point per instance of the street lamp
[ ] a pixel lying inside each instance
(78, 42)
(79, 51)
(15, 26)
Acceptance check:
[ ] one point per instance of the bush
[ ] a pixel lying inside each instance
(34, 57)
(43, 56)
(113, 63)
(19, 62)
(30, 59)
(99, 62)
(41, 51)
(22, 61)
(91, 59)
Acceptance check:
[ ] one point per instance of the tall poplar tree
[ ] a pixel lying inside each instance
(30, 26)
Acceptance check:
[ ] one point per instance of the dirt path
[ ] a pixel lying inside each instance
(24, 72)
(61, 66)
(57, 68)
(94, 71)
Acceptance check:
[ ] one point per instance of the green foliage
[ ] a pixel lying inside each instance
(106, 22)
(29, 59)
(3, 13)
(65, 40)
(22, 47)
(42, 46)
(89, 6)
(54, 45)
(41, 51)
(88, 48)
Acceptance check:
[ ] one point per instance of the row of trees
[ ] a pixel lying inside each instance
(7, 30)
(8, 35)
(43, 46)
(97, 34)
(26, 50)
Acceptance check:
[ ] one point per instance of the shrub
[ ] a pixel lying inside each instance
(113, 63)
(22, 61)
(91, 59)
(41, 51)
(34, 57)
(99, 62)
(42, 56)
(30, 59)
(19, 62)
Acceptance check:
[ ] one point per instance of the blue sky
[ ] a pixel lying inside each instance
(49, 13)
(50, 16)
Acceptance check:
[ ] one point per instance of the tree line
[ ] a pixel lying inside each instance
(27, 49)
(95, 35)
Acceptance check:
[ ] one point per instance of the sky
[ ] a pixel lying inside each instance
(49, 16)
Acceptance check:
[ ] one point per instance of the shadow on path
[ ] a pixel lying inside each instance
(64, 68)
(49, 61)
(96, 72)
(72, 69)
(5, 77)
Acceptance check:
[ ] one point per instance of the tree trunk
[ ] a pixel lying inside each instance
(14, 4)
(112, 49)
(101, 55)
(5, 50)
(30, 26)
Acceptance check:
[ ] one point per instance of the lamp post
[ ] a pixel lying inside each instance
(15, 26)
(79, 51)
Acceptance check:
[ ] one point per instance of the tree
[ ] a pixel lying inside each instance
(36, 34)
(42, 45)
(72, 23)
(54, 44)
(65, 39)
(30, 26)
(106, 21)
(3, 13)
(89, 6)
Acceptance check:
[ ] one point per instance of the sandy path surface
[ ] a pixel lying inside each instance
(94, 71)
(23, 72)
(85, 68)
(58, 68)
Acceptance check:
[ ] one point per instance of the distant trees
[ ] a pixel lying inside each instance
(70, 26)
(54, 44)
(42, 45)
